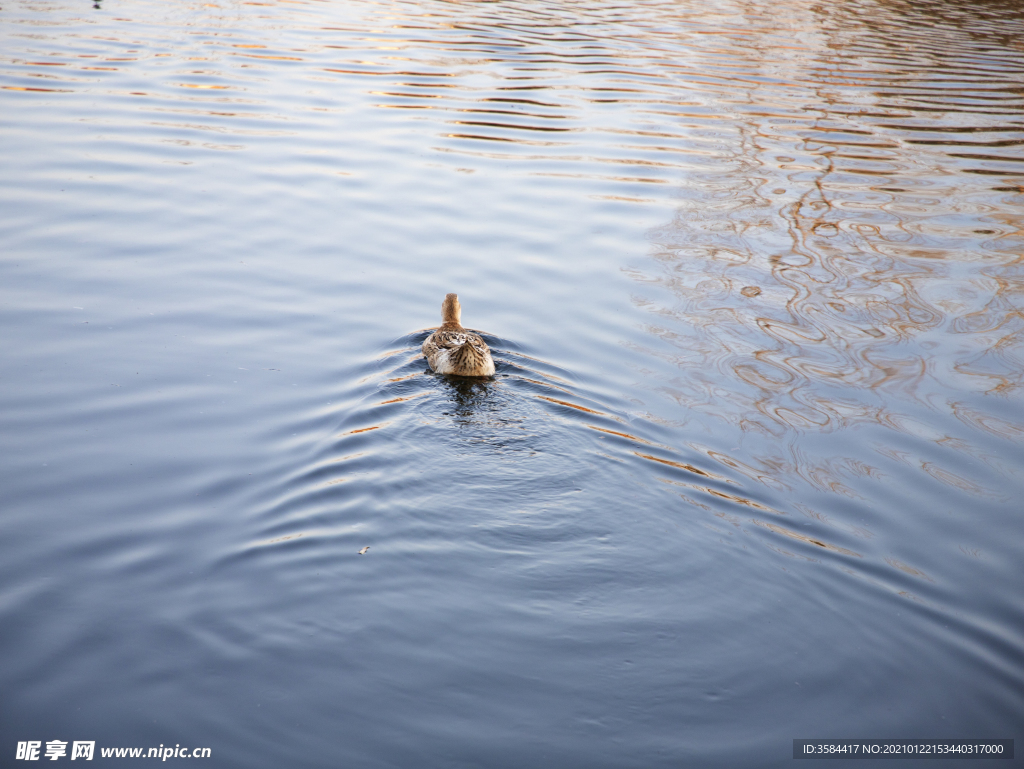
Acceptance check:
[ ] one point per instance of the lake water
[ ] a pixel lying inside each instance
(751, 466)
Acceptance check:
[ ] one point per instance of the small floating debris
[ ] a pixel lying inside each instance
(750, 291)
(363, 551)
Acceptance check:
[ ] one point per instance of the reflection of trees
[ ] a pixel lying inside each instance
(869, 262)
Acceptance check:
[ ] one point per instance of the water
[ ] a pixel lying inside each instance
(751, 464)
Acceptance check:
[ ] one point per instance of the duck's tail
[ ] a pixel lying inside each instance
(472, 359)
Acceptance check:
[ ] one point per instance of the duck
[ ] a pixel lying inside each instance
(453, 349)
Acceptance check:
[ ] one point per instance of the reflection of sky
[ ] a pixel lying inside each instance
(846, 180)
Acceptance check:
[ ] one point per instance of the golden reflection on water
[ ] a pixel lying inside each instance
(803, 538)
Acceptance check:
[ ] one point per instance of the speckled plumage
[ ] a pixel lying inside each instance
(454, 350)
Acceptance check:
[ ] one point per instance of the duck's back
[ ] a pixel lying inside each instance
(458, 352)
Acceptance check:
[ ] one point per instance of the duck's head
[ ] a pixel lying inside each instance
(451, 310)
